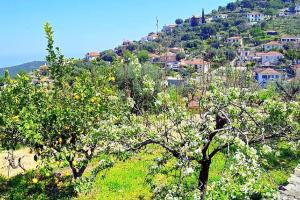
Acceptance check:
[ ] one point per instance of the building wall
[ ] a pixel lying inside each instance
(263, 78)
(271, 47)
(271, 59)
(255, 17)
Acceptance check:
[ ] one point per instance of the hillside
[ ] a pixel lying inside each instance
(26, 67)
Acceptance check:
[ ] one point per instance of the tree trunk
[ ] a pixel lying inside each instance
(203, 177)
(77, 173)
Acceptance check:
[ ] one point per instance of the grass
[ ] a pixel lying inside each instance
(126, 180)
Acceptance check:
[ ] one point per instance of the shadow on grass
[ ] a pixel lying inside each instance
(21, 187)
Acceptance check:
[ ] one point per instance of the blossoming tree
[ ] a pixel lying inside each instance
(229, 120)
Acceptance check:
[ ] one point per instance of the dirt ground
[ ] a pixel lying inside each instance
(28, 162)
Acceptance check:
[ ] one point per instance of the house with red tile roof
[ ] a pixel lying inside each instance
(176, 50)
(168, 57)
(273, 45)
(199, 64)
(92, 56)
(265, 75)
(272, 57)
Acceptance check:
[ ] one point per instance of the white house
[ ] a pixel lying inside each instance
(265, 75)
(289, 39)
(297, 9)
(234, 40)
(169, 28)
(271, 57)
(152, 37)
(244, 55)
(273, 45)
(219, 16)
(199, 64)
(168, 57)
(92, 56)
(176, 50)
(175, 81)
(255, 17)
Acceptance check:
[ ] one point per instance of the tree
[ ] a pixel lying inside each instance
(230, 54)
(180, 56)
(276, 4)
(15, 96)
(247, 4)
(231, 6)
(66, 123)
(143, 56)
(108, 56)
(142, 81)
(188, 36)
(150, 46)
(207, 31)
(195, 21)
(229, 120)
(193, 44)
(179, 21)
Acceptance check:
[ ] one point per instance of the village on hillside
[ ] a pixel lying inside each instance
(270, 52)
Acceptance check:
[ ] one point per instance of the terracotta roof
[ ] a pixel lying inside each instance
(176, 48)
(169, 54)
(274, 43)
(193, 104)
(197, 61)
(258, 69)
(235, 37)
(172, 25)
(152, 55)
(268, 71)
(153, 35)
(93, 54)
(168, 57)
(289, 36)
(297, 66)
(271, 53)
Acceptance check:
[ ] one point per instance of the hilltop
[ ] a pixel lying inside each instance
(26, 67)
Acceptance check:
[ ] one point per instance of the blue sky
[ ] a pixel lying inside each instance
(81, 26)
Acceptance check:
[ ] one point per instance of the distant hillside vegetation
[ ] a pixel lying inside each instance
(26, 67)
